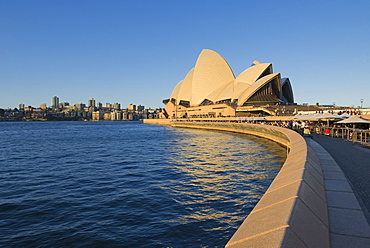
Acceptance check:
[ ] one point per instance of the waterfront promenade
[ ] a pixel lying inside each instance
(348, 225)
(354, 160)
(345, 215)
(293, 211)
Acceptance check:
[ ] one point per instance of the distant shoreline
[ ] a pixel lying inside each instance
(45, 120)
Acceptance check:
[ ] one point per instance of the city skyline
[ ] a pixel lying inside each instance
(63, 111)
(127, 52)
(56, 103)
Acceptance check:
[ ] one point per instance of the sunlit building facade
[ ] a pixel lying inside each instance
(55, 102)
(91, 102)
(210, 89)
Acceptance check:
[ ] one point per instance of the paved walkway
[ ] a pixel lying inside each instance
(347, 216)
(354, 162)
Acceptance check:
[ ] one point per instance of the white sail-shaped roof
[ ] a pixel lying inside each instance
(249, 76)
(211, 71)
(258, 85)
(185, 91)
(175, 91)
(224, 92)
(213, 80)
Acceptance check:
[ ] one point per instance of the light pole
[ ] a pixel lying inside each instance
(361, 101)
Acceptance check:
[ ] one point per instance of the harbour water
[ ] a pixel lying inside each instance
(128, 184)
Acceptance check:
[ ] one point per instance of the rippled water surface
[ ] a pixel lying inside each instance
(127, 184)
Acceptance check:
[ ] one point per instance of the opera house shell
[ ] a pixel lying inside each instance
(210, 89)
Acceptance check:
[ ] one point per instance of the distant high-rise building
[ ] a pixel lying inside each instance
(117, 106)
(21, 106)
(108, 105)
(100, 105)
(132, 107)
(55, 102)
(91, 102)
(140, 108)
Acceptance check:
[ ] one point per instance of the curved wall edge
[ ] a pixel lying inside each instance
(293, 211)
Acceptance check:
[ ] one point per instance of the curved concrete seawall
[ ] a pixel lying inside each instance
(293, 211)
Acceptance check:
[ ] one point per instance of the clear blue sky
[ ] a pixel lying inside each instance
(137, 51)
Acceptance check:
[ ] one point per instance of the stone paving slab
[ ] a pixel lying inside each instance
(342, 200)
(337, 185)
(354, 161)
(326, 168)
(344, 241)
(334, 175)
(348, 225)
(349, 222)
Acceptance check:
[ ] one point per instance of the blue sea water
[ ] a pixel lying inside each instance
(127, 184)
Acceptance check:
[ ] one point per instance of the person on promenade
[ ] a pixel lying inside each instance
(303, 124)
(307, 132)
(327, 131)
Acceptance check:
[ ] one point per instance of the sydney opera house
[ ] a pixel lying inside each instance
(210, 89)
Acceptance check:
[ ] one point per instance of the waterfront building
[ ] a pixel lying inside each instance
(107, 115)
(210, 89)
(69, 108)
(130, 116)
(117, 106)
(131, 107)
(61, 105)
(125, 115)
(29, 109)
(91, 102)
(86, 114)
(55, 102)
(140, 108)
(98, 115)
(80, 106)
(43, 106)
(153, 113)
(116, 115)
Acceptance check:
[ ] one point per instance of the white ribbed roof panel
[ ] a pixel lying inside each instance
(248, 77)
(256, 86)
(226, 93)
(213, 79)
(211, 71)
(175, 91)
(185, 90)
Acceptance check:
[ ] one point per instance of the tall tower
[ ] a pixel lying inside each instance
(55, 102)
(132, 107)
(91, 102)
